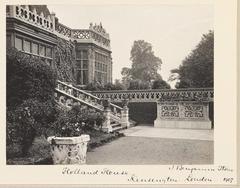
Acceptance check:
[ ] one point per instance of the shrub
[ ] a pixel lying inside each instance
(138, 85)
(76, 121)
(160, 84)
(110, 86)
(30, 98)
(28, 78)
(94, 86)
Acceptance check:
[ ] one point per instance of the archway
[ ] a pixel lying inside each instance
(143, 112)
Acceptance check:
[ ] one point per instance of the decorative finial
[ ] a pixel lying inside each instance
(34, 10)
(91, 25)
(42, 14)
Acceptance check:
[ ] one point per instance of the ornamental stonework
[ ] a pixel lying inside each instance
(183, 110)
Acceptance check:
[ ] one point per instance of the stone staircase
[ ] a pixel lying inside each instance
(116, 117)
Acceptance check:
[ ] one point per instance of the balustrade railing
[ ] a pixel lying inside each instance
(87, 98)
(85, 34)
(63, 30)
(97, 34)
(39, 20)
(192, 94)
(81, 34)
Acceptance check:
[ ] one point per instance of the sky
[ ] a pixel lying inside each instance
(173, 30)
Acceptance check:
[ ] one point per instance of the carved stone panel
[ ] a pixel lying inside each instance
(187, 115)
(183, 110)
(170, 110)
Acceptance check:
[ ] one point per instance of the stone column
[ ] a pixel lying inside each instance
(107, 111)
(12, 10)
(125, 115)
(53, 17)
(91, 65)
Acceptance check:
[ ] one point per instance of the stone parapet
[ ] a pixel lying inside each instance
(153, 95)
(95, 34)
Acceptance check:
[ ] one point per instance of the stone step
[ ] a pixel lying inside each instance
(116, 127)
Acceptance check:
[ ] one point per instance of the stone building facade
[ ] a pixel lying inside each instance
(85, 53)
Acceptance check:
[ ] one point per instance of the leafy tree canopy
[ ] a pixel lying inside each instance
(196, 69)
(160, 84)
(145, 64)
(139, 84)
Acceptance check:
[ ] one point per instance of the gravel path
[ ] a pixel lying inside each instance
(142, 150)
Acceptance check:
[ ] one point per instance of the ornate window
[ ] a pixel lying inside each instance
(48, 52)
(32, 48)
(84, 54)
(101, 66)
(42, 50)
(19, 43)
(82, 67)
(27, 46)
(35, 48)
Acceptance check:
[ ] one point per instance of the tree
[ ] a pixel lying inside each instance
(139, 84)
(145, 64)
(196, 69)
(160, 84)
(116, 86)
(94, 86)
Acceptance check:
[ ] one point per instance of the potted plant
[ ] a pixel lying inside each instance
(69, 145)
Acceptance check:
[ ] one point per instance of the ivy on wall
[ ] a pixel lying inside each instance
(65, 60)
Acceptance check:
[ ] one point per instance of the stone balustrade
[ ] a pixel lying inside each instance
(85, 35)
(195, 94)
(81, 34)
(63, 30)
(45, 22)
(95, 33)
(67, 95)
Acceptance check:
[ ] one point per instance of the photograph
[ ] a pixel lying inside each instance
(111, 87)
(119, 93)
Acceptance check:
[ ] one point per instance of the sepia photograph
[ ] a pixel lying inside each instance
(119, 93)
(110, 84)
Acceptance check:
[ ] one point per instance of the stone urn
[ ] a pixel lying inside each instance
(69, 150)
(125, 102)
(106, 103)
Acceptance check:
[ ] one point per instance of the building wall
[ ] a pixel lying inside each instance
(32, 42)
(93, 64)
(79, 56)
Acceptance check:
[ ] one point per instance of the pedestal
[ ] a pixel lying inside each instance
(69, 150)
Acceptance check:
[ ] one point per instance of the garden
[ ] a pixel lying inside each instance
(33, 115)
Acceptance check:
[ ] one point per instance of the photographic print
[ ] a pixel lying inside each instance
(102, 91)
(129, 99)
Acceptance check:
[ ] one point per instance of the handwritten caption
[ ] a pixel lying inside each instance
(174, 174)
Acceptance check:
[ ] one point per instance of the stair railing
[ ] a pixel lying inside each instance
(115, 112)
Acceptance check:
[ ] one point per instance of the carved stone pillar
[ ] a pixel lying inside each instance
(124, 114)
(189, 115)
(107, 124)
(107, 113)
(91, 65)
(12, 11)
